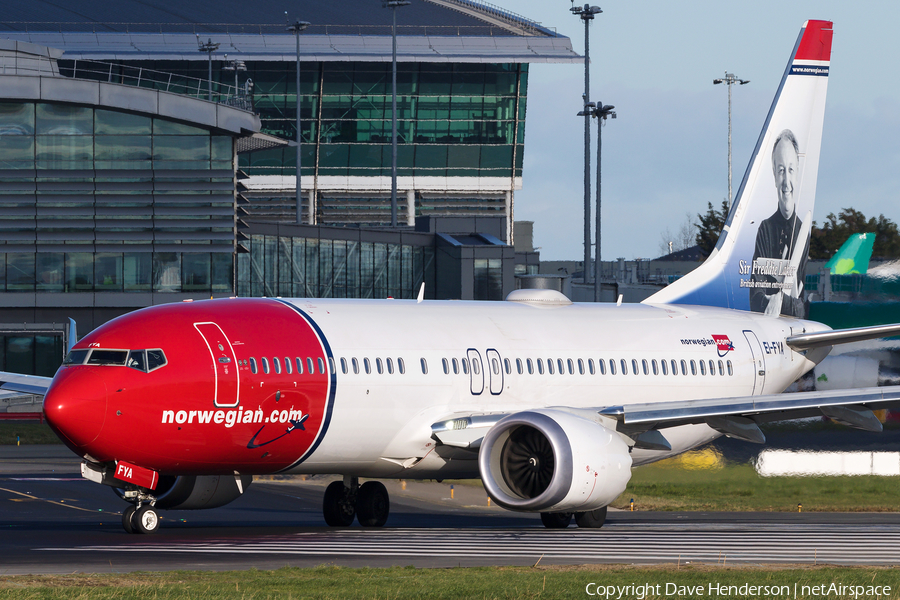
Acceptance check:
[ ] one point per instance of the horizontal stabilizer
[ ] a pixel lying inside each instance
(806, 341)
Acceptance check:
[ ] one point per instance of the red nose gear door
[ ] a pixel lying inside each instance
(226, 392)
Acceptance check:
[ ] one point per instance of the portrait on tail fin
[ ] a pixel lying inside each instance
(782, 240)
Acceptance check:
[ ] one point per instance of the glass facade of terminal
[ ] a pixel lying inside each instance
(304, 267)
(456, 120)
(101, 200)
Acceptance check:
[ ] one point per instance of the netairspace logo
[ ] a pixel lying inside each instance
(746, 590)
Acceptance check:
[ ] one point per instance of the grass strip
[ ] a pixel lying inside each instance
(330, 582)
(27, 432)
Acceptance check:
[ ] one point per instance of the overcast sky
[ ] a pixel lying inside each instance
(666, 154)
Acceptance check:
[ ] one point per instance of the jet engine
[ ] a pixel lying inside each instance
(189, 492)
(549, 460)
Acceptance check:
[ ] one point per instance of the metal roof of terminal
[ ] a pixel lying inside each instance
(352, 30)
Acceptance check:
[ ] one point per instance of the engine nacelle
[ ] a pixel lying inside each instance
(189, 492)
(553, 461)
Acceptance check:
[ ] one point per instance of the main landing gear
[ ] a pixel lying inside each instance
(592, 519)
(141, 517)
(346, 499)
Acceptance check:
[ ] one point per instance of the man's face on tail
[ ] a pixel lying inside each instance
(785, 163)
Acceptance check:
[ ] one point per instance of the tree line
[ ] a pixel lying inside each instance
(825, 240)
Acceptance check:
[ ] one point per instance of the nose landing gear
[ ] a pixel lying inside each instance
(141, 517)
(344, 500)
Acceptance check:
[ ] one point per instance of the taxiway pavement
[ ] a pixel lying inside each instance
(53, 521)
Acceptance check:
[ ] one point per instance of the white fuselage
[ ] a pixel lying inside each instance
(381, 422)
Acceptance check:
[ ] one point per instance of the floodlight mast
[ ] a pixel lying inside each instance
(586, 13)
(393, 4)
(296, 27)
(730, 80)
(209, 47)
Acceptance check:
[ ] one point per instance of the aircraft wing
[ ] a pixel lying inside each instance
(26, 384)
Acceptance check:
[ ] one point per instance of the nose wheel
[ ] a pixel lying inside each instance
(142, 516)
(346, 500)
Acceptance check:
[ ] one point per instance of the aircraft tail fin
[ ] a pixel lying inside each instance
(759, 260)
(853, 257)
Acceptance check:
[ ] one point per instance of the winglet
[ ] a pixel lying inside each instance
(421, 295)
(73, 334)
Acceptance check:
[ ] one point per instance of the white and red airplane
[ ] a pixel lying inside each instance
(550, 403)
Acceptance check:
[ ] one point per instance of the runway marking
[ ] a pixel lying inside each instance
(33, 497)
(617, 544)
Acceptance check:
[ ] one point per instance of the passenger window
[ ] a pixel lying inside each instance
(355, 364)
(136, 360)
(674, 367)
(155, 359)
(665, 367)
(506, 366)
(495, 365)
(309, 365)
(424, 366)
(591, 368)
(519, 368)
(530, 366)
(655, 367)
(580, 366)
(703, 367)
(455, 367)
(693, 368)
(730, 371)
(562, 369)
(299, 362)
(683, 367)
(390, 364)
(624, 366)
(287, 365)
(476, 366)
(721, 369)
(379, 366)
(612, 367)
(343, 364)
(602, 364)
(265, 362)
(446, 366)
(277, 364)
(330, 364)
(634, 366)
(571, 364)
(465, 366)
(540, 365)
(252, 365)
(644, 366)
(550, 366)
(712, 367)
(368, 366)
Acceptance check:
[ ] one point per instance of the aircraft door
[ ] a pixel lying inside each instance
(476, 372)
(759, 362)
(495, 371)
(221, 353)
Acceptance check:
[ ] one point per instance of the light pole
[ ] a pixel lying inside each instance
(730, 80)
(586, 13)
(236, 66)
(393, 4)
(601, 112)
(296, 27)
(209, 47)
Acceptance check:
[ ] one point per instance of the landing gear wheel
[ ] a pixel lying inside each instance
(372, 504)
(128, 518)
(338, 505)
(593, 519)
(556, 520)
(146, 520)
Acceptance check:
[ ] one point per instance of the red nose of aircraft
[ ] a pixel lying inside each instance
(75, 405)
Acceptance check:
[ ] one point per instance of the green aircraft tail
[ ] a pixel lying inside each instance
(853, 257)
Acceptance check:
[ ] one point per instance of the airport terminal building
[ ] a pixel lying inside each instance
(129, 178)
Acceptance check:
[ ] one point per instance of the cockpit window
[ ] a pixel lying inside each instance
(76, 357)
(137, 360)
(107, 357)
(155, 359)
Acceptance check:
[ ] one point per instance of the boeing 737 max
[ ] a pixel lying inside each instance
(550, 403)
